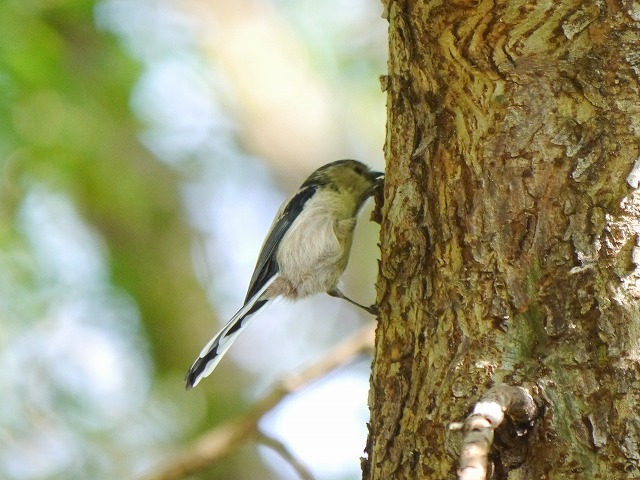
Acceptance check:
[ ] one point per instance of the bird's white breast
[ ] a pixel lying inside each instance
(315, 250)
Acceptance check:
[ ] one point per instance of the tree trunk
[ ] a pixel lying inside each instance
(510, 233)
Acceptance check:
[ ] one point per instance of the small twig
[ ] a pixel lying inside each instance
(281, 449)
(499, 402)
(226, 438)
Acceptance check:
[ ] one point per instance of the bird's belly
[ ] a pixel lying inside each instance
(313, 265)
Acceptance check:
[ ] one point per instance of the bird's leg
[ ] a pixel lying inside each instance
(335, 292)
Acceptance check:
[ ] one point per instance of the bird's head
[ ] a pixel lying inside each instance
(347, 177)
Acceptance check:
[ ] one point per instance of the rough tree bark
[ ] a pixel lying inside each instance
(510, 235)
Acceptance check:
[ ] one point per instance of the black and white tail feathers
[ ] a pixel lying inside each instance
(218, 345)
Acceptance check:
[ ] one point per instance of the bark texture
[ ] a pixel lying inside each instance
(510, 234)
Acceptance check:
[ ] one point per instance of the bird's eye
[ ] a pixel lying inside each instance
(359, 169)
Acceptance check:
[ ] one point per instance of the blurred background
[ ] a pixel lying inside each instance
(145, 146)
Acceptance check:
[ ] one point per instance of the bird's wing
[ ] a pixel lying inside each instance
(214, 350)
(267, 265)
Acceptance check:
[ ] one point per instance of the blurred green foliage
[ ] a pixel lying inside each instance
(66, 123)
(66, 128)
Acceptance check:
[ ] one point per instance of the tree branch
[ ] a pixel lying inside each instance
(500, 402)
(227, 437)
(282, 450)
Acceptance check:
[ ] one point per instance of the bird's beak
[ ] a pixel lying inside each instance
(378, 181)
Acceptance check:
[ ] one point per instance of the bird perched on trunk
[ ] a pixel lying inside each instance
(305, 252)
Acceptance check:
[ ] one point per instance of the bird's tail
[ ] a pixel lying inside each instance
(218, 345)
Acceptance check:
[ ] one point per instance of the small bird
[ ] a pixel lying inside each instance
(305, 252)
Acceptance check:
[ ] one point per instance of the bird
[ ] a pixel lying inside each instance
(305, 251)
